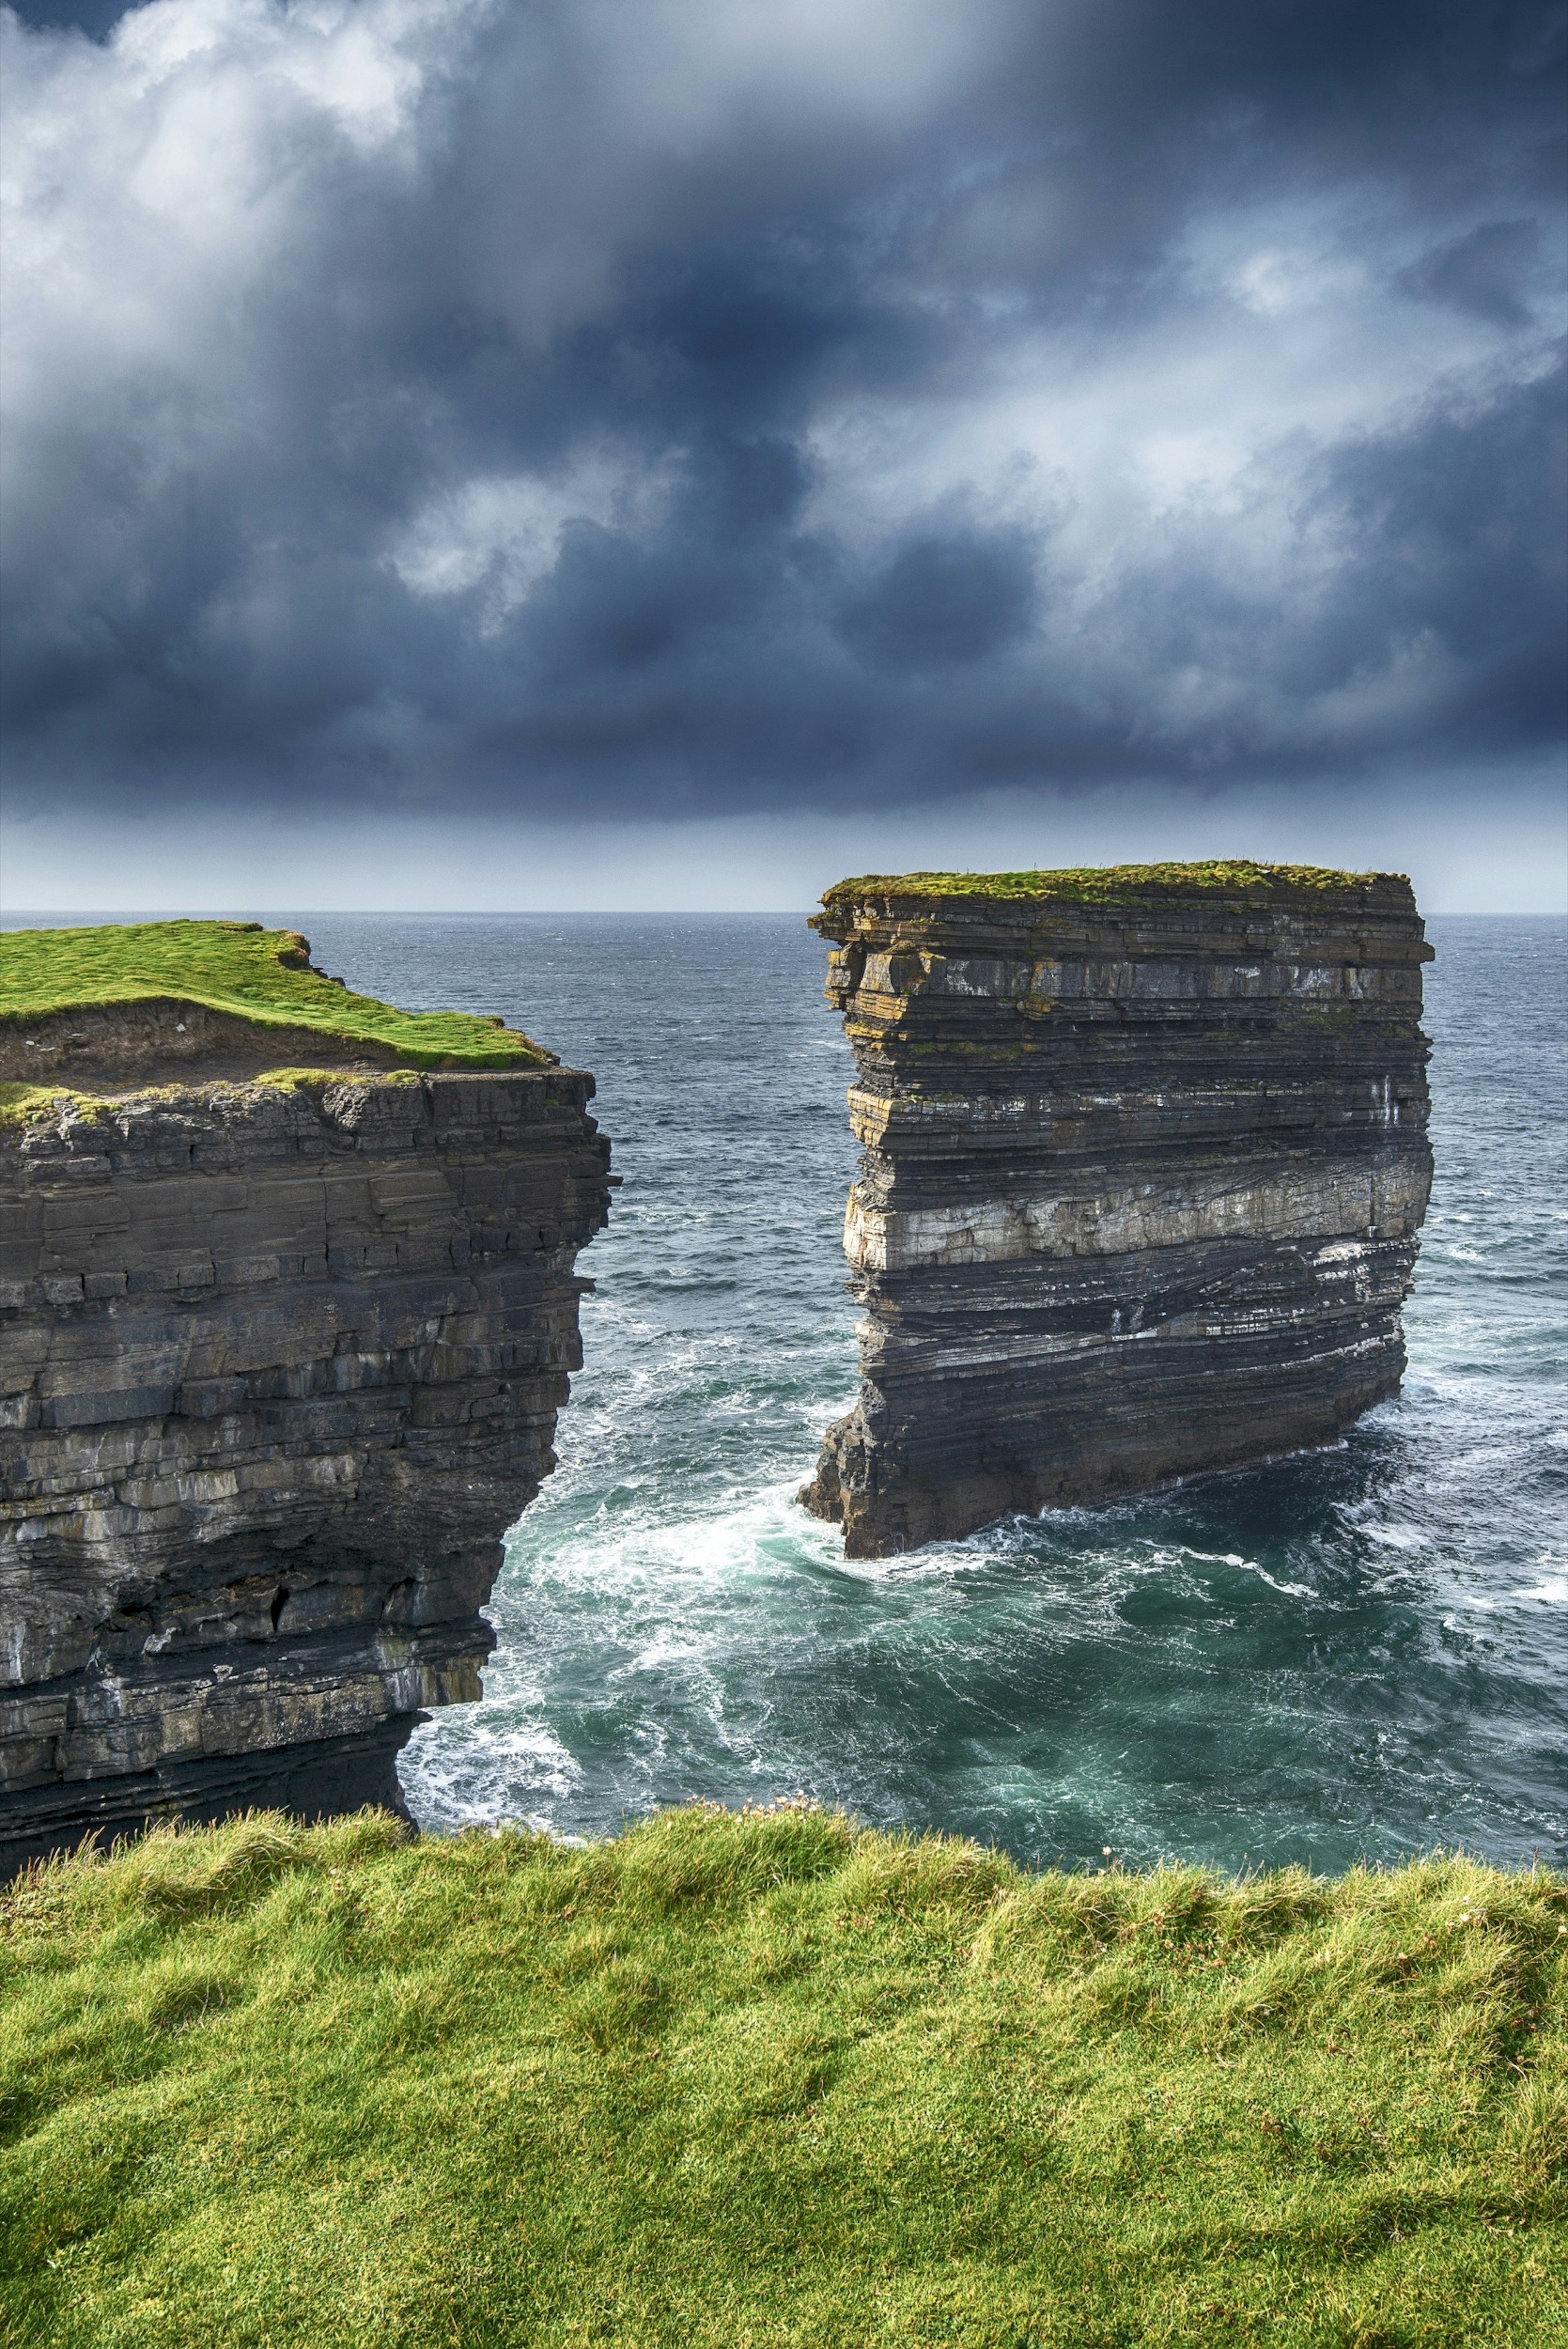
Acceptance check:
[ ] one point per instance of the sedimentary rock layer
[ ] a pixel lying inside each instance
(1145, 1162)
(280, 1364)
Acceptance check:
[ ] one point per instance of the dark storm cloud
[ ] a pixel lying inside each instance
(942, 601)
(1481, 272)
(614, 409)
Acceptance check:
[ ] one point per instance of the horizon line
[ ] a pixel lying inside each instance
(111, 914)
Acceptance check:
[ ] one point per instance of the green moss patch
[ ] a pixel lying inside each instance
(773, 2079)
(24, 1105)
(1119, 884)
(20, 1104)
(263, 977)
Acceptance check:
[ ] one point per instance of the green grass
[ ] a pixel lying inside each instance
(1116, 885)
(772, 2079)
(260, 976)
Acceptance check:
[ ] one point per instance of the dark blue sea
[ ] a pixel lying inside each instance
(1356, 1652)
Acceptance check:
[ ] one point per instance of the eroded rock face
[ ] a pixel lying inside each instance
(279, 1366)
(1141, 1186)
(104, 1048)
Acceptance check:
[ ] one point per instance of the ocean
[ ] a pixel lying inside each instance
(1352, 1653)
(1355, 1653)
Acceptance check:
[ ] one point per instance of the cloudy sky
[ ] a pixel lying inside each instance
(592, 453)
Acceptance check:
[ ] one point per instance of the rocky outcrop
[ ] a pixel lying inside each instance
(280, 1364)
(1145, 1162)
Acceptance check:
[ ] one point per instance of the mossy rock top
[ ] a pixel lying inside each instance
(264, 977)
(1133, 885)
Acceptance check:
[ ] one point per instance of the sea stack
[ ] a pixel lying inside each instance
(1146, 1159)
(281, 1354)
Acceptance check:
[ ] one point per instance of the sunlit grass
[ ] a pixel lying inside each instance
(773, 2079)
(260, 976)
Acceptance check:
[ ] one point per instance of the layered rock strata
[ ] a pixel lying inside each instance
(280, 1364)
(1145, 1162)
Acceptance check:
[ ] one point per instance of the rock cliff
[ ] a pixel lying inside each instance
(280, 1361)
(1145, 1163)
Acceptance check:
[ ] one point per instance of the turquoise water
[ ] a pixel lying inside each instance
(1358, 1651)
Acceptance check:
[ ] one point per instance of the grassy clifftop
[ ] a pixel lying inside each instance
(770, 2079)
(1121, 884)
(263, 977)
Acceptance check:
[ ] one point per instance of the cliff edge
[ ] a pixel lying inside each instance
(1145, 1162)
(281, 1356)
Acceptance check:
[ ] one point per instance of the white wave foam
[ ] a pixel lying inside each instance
(1287, 1589)
(651, 1547)
(484, 1764)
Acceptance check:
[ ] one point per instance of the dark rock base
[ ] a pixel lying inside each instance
(923, 1505)
(319, 1781)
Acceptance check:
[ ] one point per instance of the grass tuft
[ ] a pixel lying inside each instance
(1147, 887)
(772, 2078)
